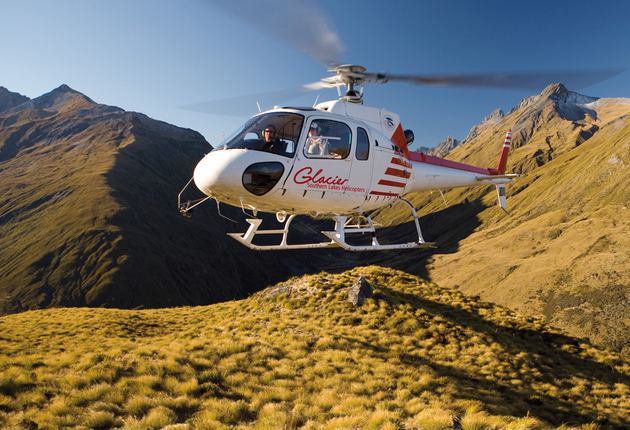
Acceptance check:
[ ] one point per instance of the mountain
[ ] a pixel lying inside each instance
(562, 252)
(88, 213)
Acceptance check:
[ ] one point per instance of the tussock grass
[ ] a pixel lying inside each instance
(424, 357)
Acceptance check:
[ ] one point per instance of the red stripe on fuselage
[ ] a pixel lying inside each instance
(391, 183)
(379, 193)
(397, 172)
(401, 163)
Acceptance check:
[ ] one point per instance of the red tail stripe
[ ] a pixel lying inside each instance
(504, 154)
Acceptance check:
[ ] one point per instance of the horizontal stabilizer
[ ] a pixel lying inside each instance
(491, 177)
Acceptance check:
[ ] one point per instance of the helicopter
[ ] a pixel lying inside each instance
(339, 158)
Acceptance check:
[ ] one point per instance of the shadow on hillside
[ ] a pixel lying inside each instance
(555, 362)
(163, 259)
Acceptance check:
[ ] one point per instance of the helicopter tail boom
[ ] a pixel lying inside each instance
(438, 173)
(437, 161)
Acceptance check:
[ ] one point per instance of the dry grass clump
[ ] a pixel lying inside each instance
(420, 357)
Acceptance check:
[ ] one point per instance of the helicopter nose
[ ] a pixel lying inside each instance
(217, 176)
(230, 174)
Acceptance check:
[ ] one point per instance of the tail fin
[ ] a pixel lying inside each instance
(504, 154)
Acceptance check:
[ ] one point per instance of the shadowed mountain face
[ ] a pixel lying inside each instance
(563, 253)
(88, 212)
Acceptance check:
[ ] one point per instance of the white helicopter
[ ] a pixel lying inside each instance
(339, 158)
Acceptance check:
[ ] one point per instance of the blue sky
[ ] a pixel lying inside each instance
(152, 56)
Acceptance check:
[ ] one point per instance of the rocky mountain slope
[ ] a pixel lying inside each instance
(563, 251)
(88, 213)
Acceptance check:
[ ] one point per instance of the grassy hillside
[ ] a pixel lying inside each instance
(416, 357)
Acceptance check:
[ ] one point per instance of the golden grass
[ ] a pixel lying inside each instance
(419, 359)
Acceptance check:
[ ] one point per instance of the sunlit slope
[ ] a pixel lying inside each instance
(563, 252)
(417, 356)
(88, 213)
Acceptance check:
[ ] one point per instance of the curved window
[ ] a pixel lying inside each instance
(260, 178)
(327, 139)
(363, 144)
(276, 132)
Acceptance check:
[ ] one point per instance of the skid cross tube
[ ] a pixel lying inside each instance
(254, 223)
(342, 229)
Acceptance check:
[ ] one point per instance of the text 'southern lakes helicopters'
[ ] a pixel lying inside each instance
(339, 158)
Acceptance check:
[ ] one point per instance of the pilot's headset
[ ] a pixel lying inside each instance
(315, 128)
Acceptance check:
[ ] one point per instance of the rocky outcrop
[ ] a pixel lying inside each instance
(360, 291)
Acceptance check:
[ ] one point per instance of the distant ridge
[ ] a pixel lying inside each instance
(442, 149)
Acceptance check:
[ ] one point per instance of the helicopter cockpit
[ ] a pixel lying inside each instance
(276, 132)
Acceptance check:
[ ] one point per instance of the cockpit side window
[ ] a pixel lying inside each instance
(328, 139)
(363, 144)
(277, 133)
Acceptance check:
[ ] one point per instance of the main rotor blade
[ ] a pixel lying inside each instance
(574, 80)
(301, 24)
(247, 105)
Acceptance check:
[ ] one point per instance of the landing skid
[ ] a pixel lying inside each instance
(247, 237)
(337, 236)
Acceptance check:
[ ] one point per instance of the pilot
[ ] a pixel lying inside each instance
(272, 143)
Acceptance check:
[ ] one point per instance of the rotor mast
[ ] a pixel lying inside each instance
(350, 76)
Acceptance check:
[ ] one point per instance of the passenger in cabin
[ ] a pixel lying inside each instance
(317, 146)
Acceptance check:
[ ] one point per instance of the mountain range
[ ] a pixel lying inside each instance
(88, 215)
(88, 212)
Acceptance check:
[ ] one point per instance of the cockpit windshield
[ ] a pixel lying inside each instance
(277, 132)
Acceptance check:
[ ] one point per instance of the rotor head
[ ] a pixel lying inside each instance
(350, 76)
